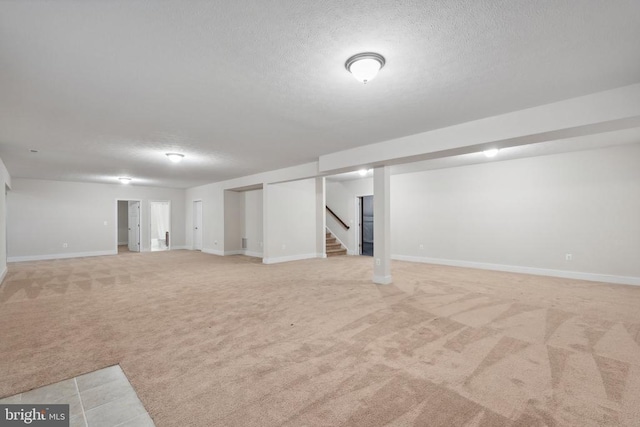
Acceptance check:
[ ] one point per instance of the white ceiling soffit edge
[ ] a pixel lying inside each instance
(596, 113)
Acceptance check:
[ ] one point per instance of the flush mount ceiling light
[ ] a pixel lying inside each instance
(365, 66)
(491, 153)
(125, 180)
(364, 172)
(175, 157)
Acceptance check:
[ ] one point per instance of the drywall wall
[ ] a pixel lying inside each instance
(342, 199)
(212, 197)
(252, 222)
(290, 221)
(123, 222)
(44, 215)
(527, 212)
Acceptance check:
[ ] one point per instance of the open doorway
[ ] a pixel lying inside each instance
(197, 225)
(366, 225)
(128, 226)
(160, 221)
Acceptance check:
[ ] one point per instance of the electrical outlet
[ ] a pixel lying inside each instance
(284, 247)
(105, 223)
(64, 245)
(421, 247)
(215, 243)
(377, 261)
(568, 257)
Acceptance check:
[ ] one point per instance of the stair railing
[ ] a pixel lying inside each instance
(344, 224)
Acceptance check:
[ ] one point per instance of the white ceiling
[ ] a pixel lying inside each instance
(104, 89)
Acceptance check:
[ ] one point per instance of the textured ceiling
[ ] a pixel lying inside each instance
(104, 89)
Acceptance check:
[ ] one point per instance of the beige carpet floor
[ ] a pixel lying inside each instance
(227, 341)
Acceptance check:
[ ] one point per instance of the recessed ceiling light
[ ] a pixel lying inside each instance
(365, 66)
(175, 157)
(362, 172)
(124, 180)
(491, 153)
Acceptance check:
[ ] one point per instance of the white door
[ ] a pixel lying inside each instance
(197, 225)
(134, 226)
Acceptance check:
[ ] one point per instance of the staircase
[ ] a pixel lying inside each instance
(334, 248)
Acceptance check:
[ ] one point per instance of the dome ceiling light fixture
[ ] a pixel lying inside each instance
(365, 66)
(125, 180)
(175, 157)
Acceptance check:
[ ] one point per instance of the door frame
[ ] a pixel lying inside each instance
(116, 221)
(170, 231)
(193, 217)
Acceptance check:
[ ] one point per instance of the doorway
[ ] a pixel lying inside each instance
(128, 226)
(197, 225)
(160, 222)
(366, 225)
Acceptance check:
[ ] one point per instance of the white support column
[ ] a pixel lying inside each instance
(265, 223)
(321, 218)
(381, 225)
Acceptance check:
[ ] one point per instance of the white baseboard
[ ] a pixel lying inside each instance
(123, 243)
(178, 248)
(60, 256)
(253, 254)
(3, 274)
(593, 277)
(288, 258)
(213, 251)
(321, 255)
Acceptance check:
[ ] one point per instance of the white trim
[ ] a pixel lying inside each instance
(276, 260)
(321, 255)
(174, 248)
(382, 280)
(213, 251)
(594, 277)
(60, 256)
(123, 243)
(253, 254)
(3, 274)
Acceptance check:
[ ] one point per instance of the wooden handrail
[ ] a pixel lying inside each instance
(344, 224)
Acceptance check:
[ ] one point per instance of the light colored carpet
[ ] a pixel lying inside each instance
(227, 341)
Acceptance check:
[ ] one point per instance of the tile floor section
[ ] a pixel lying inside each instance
(103, 398)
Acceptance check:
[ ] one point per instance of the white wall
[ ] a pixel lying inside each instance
(42, 215)
(252, 222)
(527, 212)
(123, 222)
(291, 221)
(341, 198)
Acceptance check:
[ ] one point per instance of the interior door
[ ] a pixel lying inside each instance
(134, 226)
(197, 225)
(366, 221)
